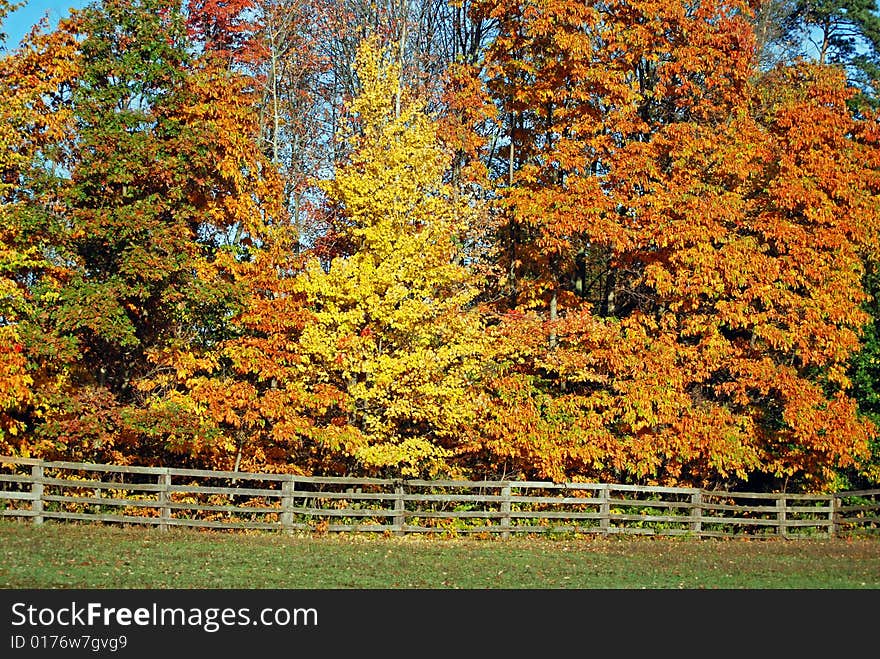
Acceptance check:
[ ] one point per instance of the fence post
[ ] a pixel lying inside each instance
(834, 503)
(505, 511)
(605, 510)
(287, 488)
(782, 529)
(37, 493)
(164, 498)
(697, 512)
(399, 508)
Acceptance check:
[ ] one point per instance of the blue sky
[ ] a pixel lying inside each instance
(20, 22)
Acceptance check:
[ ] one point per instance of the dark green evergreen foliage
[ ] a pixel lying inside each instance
(838, 32)
(839, 29)
(865, 366)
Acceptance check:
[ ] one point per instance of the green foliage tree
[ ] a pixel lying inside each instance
(149, 202)
(865, 376)
(842, 33)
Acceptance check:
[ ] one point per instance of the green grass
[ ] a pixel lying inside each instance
(57, 555)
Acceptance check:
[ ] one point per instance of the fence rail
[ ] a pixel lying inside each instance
(167, 497)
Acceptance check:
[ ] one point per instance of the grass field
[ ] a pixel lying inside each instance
(90, 556)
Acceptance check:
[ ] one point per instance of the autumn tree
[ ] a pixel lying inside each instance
(392, 332)
(192, 394)
(845, 35)
(153, 201)
(666, 321)
(360, 362)
(128, 248)
(670, 282)
(34, 126)
(225, 29)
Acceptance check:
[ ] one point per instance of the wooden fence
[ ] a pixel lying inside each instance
(166, 497)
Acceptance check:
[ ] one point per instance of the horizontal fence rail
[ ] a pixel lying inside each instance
(167, 497)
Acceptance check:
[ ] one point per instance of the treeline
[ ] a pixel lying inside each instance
(551, 239)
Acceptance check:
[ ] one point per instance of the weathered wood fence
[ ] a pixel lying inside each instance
(166, 497)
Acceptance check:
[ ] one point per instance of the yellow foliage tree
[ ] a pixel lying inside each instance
(393, 330)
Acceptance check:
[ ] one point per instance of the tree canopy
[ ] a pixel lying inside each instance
(540, 239)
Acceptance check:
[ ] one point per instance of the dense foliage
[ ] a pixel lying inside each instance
(533, 239)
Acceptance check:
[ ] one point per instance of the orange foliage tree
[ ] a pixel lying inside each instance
(34, 125)
(143, 203)
(683, 259)
(195, 398)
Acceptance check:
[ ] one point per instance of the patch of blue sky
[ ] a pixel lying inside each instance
(23, 19)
